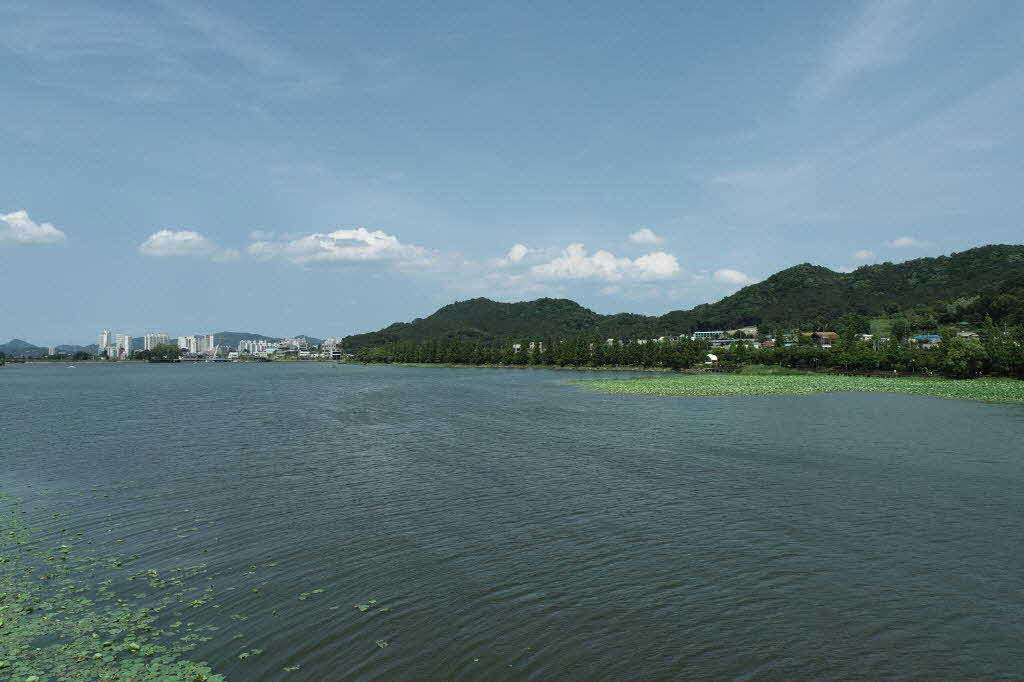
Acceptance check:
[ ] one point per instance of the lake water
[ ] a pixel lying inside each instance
(518, 528)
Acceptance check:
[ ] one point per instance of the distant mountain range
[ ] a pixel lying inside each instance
(986, 281)
(20, 348)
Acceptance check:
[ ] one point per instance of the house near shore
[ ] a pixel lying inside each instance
(748, 332)
(823, 339)
(927, 340)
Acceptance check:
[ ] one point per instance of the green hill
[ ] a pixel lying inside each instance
(986, 281)
(16, 348)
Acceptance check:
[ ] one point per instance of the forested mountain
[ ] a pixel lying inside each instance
(482, 319)
(19, 348)
(966, 286)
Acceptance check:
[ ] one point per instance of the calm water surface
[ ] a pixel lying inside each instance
(518, 528)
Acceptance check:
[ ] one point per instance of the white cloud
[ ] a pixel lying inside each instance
(728, 276)
(611, 290)
(262, 235)
(907, 243)
(864, 254)
(177, 243)
(515, 255)
(17, 227)
(343, 246)
(645, 236)
(575, 264)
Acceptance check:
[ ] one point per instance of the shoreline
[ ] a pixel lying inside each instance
(676, 372)
(451, 365)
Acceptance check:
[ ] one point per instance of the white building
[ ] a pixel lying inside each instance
(258, 347)
(298, 344)
(123, 345)
(52, 350)
(707, 335)
(106, 339)
(332, 348)
(149, 341)
(197, 345)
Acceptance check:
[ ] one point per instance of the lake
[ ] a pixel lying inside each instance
(509, 526)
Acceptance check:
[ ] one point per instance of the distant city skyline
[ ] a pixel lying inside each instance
(330, 169)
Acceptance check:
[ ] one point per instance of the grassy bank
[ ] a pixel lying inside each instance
(990, 390)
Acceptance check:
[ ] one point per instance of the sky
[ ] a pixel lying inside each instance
(325, 168)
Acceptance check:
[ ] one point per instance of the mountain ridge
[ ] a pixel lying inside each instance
(986, 280)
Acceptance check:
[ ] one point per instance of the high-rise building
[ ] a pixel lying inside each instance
(204, 344)
(197, 345)
(149, 341)
(52, 350)
(105, 339)
(123, 345)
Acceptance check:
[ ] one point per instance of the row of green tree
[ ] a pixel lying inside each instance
(576, 351)
(998, 351)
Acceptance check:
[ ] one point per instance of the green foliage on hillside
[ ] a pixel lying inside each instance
(483, 320)
(924, 293)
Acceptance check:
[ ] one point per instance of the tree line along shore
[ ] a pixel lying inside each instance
(992, 351)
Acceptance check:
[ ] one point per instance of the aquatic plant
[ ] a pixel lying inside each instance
(60, 620)
(989, 390)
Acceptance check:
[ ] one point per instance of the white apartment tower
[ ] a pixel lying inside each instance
(197, 345)
(150, 341)
(123, 343)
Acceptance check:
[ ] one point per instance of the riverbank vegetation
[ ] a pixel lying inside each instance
(989, 390)
(997, 351)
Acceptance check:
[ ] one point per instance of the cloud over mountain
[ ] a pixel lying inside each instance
(342, 246)
(575, 263)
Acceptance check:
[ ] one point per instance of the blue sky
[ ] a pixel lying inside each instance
(323, 168)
